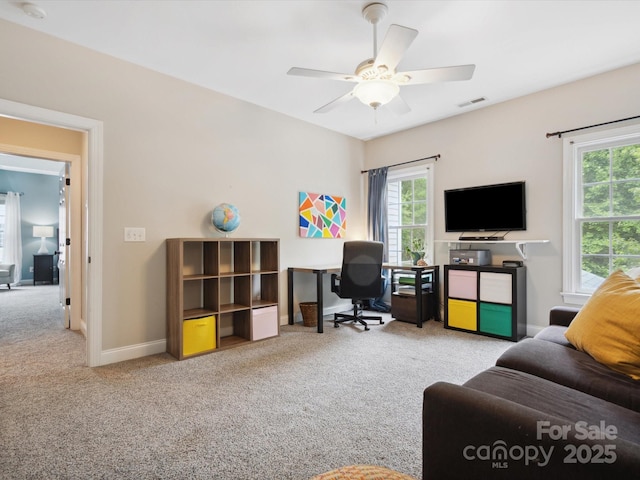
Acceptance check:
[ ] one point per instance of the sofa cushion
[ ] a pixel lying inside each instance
(573, 369)
(557, 400)
(607, 327)
(555, 334)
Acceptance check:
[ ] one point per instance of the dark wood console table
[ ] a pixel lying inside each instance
(43, 268)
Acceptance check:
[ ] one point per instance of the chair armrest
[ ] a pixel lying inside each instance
(562, 316)
(335, 282)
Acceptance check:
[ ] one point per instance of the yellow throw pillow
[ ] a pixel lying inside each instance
(607, 327)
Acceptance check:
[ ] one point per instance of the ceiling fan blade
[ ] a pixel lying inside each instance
(394, 45)
(307, 72)
(335, 103)
(398, 106)
(434, 75)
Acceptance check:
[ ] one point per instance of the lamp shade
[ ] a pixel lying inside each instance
(376, 92)
(42, 231)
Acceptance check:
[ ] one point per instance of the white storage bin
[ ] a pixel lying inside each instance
(495, 287)
(264, 322)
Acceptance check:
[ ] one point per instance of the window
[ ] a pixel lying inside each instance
(602, 209)
(410, 212)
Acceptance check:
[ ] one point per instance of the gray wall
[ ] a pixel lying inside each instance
(507, 142)
(38, 206)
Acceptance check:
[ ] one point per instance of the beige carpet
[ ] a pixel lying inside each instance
(285, 408)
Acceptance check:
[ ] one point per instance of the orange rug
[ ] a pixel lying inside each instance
(362, 472)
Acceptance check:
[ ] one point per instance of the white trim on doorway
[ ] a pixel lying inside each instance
(94, 129)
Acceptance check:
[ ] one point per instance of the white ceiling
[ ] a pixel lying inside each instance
(30, 165)
(244, 48)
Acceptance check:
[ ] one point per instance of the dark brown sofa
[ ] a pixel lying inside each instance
(545, 410)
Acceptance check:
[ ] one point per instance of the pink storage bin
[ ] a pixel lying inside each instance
(463, 284)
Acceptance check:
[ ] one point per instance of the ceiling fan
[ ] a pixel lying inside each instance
(377, 82)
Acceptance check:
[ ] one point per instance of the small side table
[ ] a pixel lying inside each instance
(43, 268)
(423, 304)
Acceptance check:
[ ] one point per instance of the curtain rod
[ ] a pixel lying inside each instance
(436, 157)
(5, 193)
(559, 134)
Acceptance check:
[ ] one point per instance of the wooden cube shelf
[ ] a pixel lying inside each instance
(215, 288)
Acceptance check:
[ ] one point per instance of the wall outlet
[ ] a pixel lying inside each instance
(31, 269)
(134, 234)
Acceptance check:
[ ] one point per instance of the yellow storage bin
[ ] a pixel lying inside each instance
(462, 314)
(198, 335)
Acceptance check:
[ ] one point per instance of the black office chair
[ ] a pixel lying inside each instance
(360, 279)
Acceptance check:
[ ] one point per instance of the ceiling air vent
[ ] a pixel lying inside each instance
(472, 102)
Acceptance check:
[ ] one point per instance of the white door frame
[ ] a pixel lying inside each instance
(64, 223)
(93, 179)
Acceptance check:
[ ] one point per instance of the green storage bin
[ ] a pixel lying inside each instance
(496, 319)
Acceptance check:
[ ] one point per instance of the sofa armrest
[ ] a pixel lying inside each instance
(562, 316)
(468, 433)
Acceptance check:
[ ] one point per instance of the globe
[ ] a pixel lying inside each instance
(225, 218)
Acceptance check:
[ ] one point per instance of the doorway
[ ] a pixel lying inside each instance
(45, 208)
(90, 205)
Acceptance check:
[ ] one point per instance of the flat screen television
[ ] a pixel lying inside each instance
(486, 208)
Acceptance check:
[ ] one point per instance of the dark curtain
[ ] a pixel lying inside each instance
(377, 207)
(377, 220)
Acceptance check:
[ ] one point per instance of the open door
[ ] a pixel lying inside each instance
(64, 245)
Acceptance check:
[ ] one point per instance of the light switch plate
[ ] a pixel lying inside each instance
(134, 234)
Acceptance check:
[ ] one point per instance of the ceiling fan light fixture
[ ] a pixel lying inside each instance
(376, 92)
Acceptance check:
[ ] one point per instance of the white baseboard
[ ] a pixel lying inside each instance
(132, 351)
(533, 330)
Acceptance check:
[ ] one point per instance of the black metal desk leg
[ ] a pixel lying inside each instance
(290, 294)
(319, 295)
(418, 292)
(436, 294)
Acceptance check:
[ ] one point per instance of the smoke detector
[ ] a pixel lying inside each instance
(34, 11)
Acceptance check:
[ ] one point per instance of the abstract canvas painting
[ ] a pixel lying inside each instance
(322, 216)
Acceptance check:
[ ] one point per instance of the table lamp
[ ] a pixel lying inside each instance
(42, 232)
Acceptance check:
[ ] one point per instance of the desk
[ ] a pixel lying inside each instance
(320, 272)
